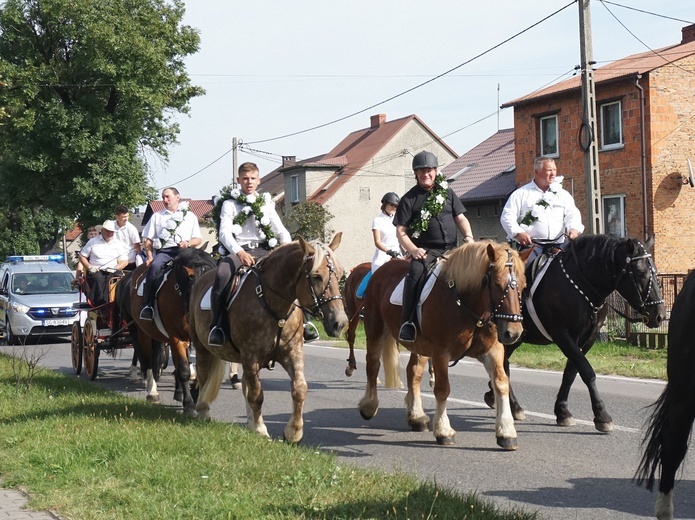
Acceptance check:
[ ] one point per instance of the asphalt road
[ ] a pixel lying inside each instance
(563, 473)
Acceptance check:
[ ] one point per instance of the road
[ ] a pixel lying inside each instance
(563, 473)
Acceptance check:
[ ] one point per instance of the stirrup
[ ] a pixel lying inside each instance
(147, 313)
(216, 337)
(407, 333)
(310, 332)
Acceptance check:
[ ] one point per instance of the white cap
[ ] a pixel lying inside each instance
(109, 225)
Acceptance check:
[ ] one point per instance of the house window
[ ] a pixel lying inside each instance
(364, 194)
(614, 215)
(611, 125)
(549, 136)
(294, 189)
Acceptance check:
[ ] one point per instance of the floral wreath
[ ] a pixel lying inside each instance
(171, 225)
(251, 204)
(542, 204)
(431, 208)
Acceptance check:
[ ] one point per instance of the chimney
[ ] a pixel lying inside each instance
(289, 160)
(688, 34)
(377, 120)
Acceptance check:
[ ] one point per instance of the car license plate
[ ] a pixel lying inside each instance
(57, 322)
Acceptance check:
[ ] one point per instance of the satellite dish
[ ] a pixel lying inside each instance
(691, 178)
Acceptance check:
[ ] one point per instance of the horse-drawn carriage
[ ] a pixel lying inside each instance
(100, 326)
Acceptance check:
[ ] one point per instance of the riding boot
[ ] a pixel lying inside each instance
(408, 332)
(147, 312)
(216, 335)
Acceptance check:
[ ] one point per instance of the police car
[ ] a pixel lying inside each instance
(36, 297)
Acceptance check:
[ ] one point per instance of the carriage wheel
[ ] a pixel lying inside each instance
(76, 345)
(91, 349)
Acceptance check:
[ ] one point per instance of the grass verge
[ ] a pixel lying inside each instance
(87, 453)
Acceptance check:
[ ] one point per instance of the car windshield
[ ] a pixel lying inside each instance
(43, 283)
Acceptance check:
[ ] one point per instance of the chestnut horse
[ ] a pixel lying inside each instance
(474, 306)
(172, 306)
(265, 325)
(669, 428)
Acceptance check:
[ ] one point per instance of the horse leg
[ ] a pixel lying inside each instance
(134, 374)
(251, 388)
(147, 364)
(517, 411)
(210, 375)
(494, 363)
(430, 369)
(182, 372)
(417, 419)
(350, 336)
(234, 376)
(294, 366)
(369, 404)
(443, 432)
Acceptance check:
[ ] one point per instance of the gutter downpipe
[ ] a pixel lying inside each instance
(644, 155)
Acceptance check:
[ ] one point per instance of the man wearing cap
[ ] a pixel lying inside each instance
(427, 220)
(99, 253)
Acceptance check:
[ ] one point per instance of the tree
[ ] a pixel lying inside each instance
(309, 220)
(89, 86)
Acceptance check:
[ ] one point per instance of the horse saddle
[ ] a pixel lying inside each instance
(230, 292)
(159, 280)
(397, 294)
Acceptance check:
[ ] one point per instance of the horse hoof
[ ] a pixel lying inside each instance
(604, 427)
(235, 382)
(178, 396)
(489, 399)
(152, 399)
(420, 426)
(445, 441)
(566, 421)
(507, 444)
(519, 415)
(349, 371)
(365, 416)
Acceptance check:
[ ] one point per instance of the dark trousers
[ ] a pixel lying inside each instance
(98, 288)
(161, 258)
(225, 270)
(416, 280)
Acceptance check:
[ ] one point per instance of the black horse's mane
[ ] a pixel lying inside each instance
(193, 258)
(596, 249)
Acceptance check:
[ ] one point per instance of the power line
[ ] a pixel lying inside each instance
(420, 85)
(645, 12)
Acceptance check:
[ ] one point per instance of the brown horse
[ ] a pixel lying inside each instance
(474, 306)
(265, 325)
(171, 303)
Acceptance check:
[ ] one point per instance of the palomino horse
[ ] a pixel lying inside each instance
(570, 300)
(172, 305)
(474, 306)
(265, 324)
(669, 428)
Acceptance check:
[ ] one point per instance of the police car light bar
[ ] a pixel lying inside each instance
(35, 258)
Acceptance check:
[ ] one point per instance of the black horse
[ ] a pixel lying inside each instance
(570, 302)
(669, 427)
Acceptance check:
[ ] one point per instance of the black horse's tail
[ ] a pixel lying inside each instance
(653, 442)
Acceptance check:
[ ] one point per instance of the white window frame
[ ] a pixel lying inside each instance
(606, 120)
(294, 189)
(545, 150)
(610, 205)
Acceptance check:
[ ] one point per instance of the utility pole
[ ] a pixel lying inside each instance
(588, 133)
(234, 161)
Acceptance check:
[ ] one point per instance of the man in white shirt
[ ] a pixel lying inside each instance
(541, 209)
(128, 234)
(99, 253)
(168, 232)
(250, 228)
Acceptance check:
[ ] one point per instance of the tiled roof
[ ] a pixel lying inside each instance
(200, 208)
(623, 68)
(488, 169)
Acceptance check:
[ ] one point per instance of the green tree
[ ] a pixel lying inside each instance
(310, 221)
(89, 87)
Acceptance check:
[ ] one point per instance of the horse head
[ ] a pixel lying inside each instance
(188, 266)
(321, 296)
(638, 281)
(505, 280)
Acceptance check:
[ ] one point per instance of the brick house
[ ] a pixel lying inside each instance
(483, 178)
(643, 154)
(350, 180)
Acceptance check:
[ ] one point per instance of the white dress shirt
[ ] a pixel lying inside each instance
(101, 253)
(168, 228)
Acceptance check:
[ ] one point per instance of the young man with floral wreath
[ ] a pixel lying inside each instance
(541, 209)
(427, 220)
(168, 232)
(249, 229)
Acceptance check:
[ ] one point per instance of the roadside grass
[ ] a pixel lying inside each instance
(87, 453)
(609, 358)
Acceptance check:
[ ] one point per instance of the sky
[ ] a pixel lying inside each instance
(275, 68)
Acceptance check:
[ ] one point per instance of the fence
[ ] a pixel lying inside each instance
(637, 333)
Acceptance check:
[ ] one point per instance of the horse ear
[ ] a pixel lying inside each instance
(526, 253)
(203, 247)
(306, 247)
(491, 253)
(336, 241)
(189, 271)
(650, 243)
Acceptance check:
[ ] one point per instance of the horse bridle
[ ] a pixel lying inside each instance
(512, 283)
(322, 299)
